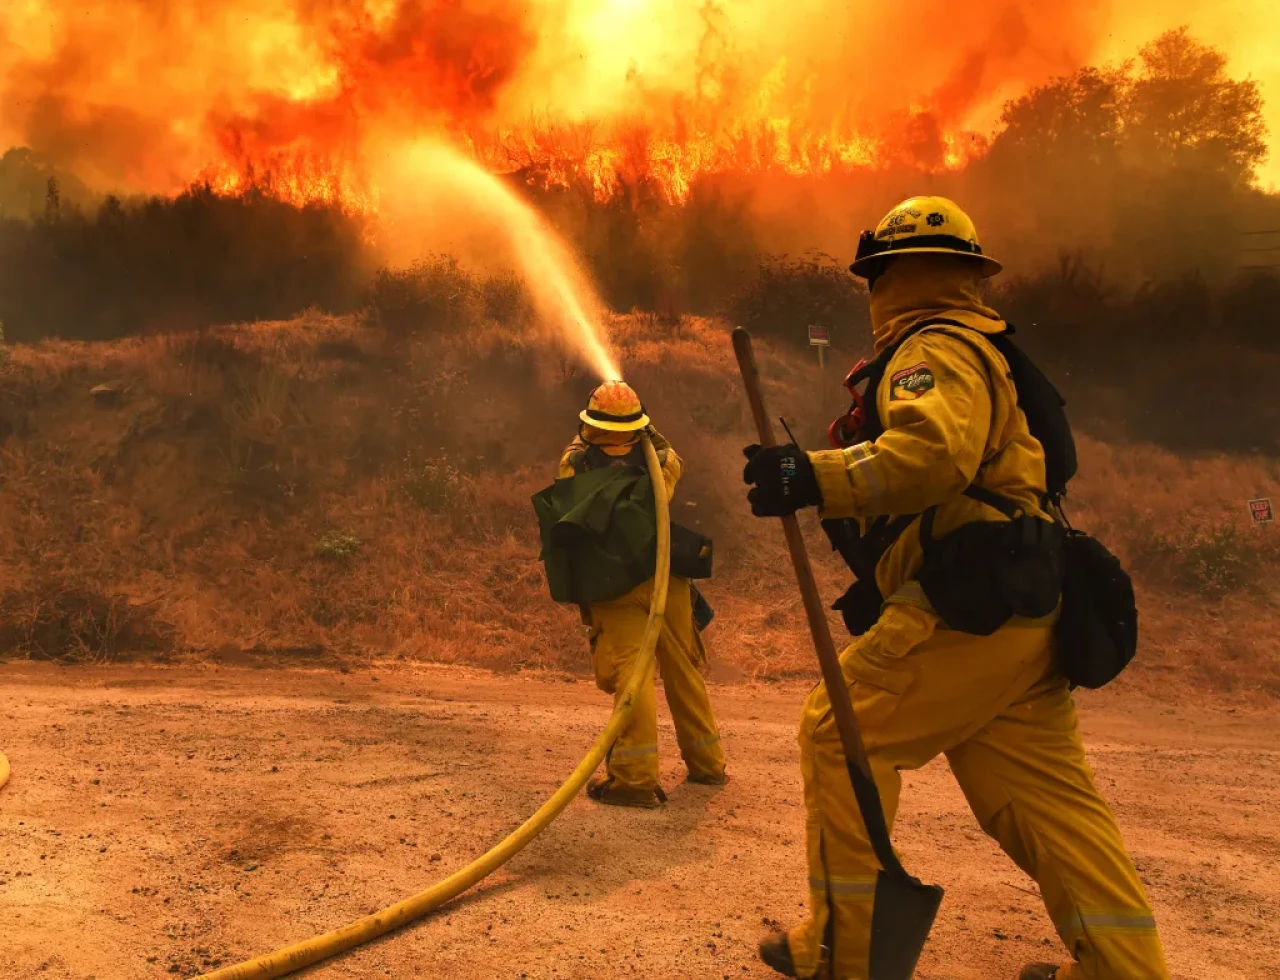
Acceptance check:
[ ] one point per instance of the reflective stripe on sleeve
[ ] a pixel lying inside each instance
(858, 463)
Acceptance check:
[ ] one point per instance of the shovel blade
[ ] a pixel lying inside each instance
(904, 913)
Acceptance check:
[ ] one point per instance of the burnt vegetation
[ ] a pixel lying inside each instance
(128, 267)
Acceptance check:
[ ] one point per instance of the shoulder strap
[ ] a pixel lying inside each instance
(1044, 407)
(992, 499)
(872, 372)
(981, 494)
(875, 367)
(885, 531)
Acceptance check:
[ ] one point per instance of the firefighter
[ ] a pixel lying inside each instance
(955, 450)
(609, 435)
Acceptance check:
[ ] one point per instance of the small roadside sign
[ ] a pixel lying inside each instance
(1261, 510)
(820, 337)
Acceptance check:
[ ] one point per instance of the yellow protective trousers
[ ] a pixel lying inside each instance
(1002, 713)
(617, 627)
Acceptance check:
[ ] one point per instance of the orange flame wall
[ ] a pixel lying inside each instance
(147, 95)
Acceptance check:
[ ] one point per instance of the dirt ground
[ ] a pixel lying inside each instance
(165, 820)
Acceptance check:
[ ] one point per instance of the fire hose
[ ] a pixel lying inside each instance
(4, 770)
(303, 954)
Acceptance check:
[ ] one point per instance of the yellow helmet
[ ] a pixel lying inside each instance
(615, 407)
(919, 225)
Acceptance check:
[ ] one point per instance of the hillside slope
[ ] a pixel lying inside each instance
(320, 487)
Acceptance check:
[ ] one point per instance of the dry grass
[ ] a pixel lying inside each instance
(313, 488)
(1206, 575)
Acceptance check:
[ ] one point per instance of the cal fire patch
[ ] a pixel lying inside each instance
(910, 383)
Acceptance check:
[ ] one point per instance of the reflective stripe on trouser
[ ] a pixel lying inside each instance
(1002, 714)
(618, 626)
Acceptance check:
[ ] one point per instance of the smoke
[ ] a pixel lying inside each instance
(146, 95)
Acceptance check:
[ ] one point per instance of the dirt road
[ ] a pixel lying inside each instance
(161, 821)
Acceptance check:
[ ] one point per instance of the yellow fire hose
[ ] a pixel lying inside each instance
(4, 770)
(304, 954)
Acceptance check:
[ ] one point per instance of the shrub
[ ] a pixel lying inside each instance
(1249, 309)
(1149, 362)
(63, 622)
(1210, 560)
(340, 548)
(435, 294)
(787, 294)
(504, 299)
(200, 258)
(438, 295)
(263, 420)
(435, 484)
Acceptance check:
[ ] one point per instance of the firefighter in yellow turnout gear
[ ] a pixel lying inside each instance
(609, 435)
(996, 706)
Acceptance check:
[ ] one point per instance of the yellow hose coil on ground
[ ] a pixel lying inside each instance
(304, 954)
(4, 770)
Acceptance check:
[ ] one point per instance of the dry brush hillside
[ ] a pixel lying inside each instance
(324, 487)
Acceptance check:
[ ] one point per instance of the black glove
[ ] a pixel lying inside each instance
(784, 480)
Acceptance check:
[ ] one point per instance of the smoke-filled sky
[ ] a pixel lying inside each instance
(148, 94)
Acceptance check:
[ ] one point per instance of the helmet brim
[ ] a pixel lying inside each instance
(861, 267)
(632, 426)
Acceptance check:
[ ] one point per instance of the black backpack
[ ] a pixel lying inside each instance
(1046, 414)
(1097, 631)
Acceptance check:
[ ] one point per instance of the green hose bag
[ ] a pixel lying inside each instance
(599, 536)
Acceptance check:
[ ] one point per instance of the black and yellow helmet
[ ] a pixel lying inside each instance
(921, 225)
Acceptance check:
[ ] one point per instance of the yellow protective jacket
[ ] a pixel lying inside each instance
(951, 419)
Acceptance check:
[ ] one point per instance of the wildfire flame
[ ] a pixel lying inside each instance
(302, 100)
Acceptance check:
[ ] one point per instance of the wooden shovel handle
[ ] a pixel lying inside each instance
(832, 675)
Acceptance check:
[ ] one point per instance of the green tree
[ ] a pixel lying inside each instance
(1183, 110)
(1077, 117)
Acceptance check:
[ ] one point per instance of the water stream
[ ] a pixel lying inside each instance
(561, 292)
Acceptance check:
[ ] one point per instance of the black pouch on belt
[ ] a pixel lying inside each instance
(982, 574)
(1097, 633)
(703, 614)
(691, 553)
(860, 606)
